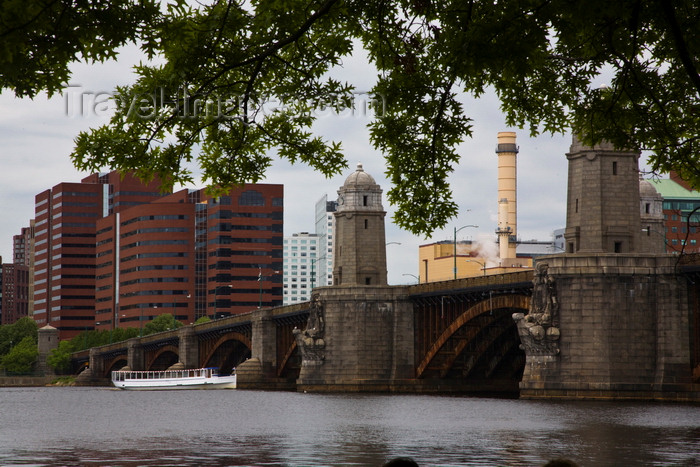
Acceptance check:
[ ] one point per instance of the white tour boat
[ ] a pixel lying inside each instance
(199, 378)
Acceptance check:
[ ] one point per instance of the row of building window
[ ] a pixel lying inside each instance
(162, 217)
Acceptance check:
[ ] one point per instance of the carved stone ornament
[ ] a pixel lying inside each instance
(310, 341)
(539, 329)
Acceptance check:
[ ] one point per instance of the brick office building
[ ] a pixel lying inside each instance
(111, 251)
(16, 286)
(144, 267)
(243, 248)
(15, 292)
(64, 247)
(190, 255)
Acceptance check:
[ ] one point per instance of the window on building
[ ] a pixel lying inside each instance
(614, 167)
(618, 247)
(251, 198)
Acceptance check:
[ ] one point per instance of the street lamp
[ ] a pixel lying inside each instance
(313, 275)
(414, 276)
(454, 243)
(483, 266)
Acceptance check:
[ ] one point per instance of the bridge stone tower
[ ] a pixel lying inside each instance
(603, 200)
(359, 335)
(360, 254)
(607, 319)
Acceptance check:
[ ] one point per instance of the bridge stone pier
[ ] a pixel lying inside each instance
(357, 339)
(607, 326)
(610, 318)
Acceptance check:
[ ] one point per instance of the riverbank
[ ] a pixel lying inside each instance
(25, 381)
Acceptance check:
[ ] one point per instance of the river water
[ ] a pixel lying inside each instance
(104, 426)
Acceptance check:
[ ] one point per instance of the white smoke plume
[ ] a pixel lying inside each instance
(487, 248)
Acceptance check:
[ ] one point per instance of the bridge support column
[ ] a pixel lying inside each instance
(608, 326)
(97, 363)
(189, 347)
(259, 371)
(136, 357)
(358, 338)
(264, 342)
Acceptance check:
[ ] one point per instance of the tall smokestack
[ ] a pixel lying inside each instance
(507, 152)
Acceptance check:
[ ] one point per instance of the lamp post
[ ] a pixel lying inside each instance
(483, 266)
(313, 275)
(454, 243)
(414, 276)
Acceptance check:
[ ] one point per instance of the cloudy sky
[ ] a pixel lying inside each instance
(36, 138)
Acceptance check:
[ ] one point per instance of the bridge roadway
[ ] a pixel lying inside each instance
(464, 336)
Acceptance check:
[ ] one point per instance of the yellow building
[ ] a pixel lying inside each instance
(438, 262)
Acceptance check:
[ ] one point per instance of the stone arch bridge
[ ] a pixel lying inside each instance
(462, 338)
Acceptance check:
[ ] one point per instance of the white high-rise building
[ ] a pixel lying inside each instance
(325, 228)
(300, 257)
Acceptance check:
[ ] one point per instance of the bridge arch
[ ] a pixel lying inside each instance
(163, 358)
(227, 352)
(116, 363)
(489, 320)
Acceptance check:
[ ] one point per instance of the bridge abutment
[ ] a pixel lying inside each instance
(620, 331)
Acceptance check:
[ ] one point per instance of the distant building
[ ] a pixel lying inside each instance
(301, 275)
(64, 249)
(438, 260)
(111, 252)
(679, 201)
(190, 255)
(15, 292)
(16, 288)
(325, 227)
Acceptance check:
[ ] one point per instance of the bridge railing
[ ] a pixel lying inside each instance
(491, 281)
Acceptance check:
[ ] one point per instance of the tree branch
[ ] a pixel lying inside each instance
(681, 47)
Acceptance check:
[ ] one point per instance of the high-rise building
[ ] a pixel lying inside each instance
(16, 289)
(145, 264)
(64, 249)
(325, 226)
(300, 267)
(190, 255)
(243, 248)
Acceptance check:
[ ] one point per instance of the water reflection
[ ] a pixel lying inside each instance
(81, 426)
